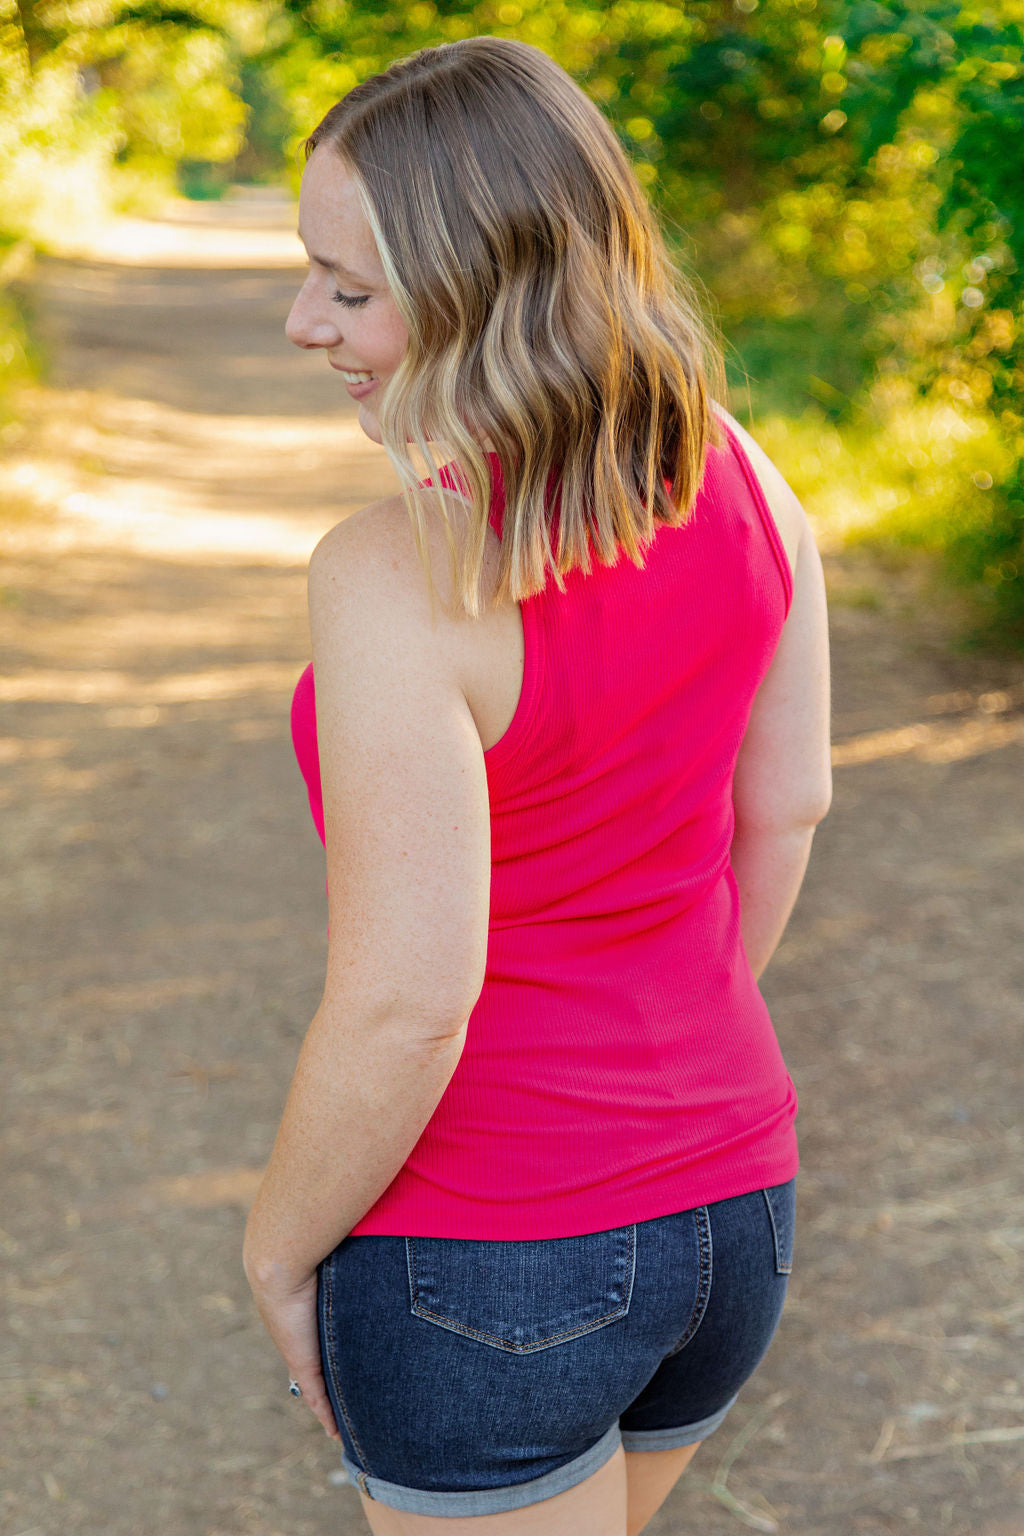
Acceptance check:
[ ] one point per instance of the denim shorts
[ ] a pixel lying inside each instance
(471, 1376)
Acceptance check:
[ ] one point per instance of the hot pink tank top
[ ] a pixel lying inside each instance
(620, 1063)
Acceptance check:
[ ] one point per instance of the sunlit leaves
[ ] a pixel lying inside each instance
(844, 175)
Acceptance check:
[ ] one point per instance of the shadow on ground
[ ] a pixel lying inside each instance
(164, 945)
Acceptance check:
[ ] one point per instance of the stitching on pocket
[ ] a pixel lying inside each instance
(419, 1309)
(782, 1266)
(331, 1361)
(705, 1260)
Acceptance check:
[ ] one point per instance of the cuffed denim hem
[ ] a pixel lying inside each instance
(672, 1439)
(488, 1501)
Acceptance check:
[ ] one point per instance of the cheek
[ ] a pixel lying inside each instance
(394, 340)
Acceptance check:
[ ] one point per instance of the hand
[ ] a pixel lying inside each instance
(288, 1310)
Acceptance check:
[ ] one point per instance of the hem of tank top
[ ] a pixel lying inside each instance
(767, 518)
(769, 1176)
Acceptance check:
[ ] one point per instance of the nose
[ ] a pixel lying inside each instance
(309, 324)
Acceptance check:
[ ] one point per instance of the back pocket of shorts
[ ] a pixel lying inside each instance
(522, 1296)
(781, 1203)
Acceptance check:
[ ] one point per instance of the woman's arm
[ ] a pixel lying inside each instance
(408, 862)
(783, 782)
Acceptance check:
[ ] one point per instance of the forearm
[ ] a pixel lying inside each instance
(360, 1098)
(769, 866)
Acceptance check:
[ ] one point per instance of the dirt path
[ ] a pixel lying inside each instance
(163, 944)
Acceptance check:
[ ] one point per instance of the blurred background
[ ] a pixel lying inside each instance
(843, 179)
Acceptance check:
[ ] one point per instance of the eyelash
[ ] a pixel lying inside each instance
(348, 301)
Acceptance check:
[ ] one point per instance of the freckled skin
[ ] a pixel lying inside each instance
(371, 338)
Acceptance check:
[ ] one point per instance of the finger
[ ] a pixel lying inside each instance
(314, 1395)
(322, 1408)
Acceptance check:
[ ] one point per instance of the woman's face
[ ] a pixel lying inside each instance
(345, 304)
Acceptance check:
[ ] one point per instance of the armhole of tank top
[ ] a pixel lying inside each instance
(506, 746)
(498, 754)
(302, 713)
(764, 510)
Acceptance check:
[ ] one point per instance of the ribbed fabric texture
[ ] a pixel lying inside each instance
(620, 1063)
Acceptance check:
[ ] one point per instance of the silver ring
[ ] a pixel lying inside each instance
(294, 1389)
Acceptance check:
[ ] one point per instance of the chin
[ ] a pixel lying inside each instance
(370, 426)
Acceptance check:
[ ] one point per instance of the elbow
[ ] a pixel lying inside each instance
(810, 799)
(823, 800)
(420, 1019)
(826, 804)
(817, 805)
(806, 816)
(795, 815)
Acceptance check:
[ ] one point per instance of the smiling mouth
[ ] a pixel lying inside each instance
(352, 376)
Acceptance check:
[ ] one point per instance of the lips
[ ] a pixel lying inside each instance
(358, 391)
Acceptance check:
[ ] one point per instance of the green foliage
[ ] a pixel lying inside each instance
(98, 100)
(18, 360)
(842, 174)
(20, 354)
(987, 555)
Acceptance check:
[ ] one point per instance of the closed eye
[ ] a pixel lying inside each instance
(352, 302)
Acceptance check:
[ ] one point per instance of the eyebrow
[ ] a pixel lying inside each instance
(337, 266)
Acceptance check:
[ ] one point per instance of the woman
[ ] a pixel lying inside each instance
(527, 1223)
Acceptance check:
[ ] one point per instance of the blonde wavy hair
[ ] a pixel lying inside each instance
(543, 310)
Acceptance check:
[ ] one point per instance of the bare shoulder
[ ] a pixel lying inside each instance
(372, 556)
(790, 517)
(354, 548)
(404, 784)
(378, 534)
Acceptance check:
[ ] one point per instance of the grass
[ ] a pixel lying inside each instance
(904, 476)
